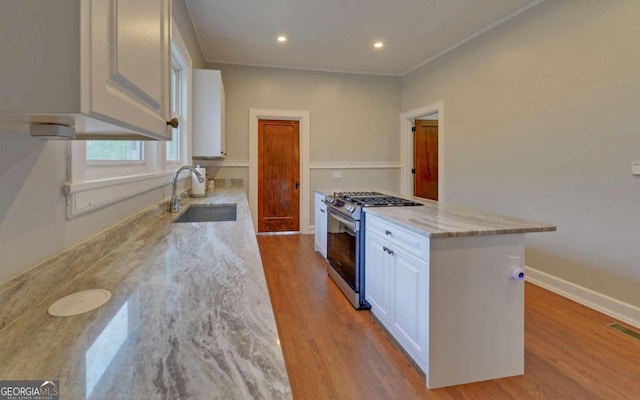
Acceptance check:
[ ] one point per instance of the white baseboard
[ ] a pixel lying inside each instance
(607, 305)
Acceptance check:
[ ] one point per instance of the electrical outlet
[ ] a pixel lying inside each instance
(337, 174)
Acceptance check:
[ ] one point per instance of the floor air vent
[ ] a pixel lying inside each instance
(625, 330)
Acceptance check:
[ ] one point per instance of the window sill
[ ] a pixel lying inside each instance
(88, 196)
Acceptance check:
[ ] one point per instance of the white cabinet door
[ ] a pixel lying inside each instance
(100, 68)
(376, 276)
(321, 230)
(320, 222)
(409, 299)
(209, 124)
(130, 55)
(396, 284)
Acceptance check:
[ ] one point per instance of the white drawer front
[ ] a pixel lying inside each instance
(398, 236)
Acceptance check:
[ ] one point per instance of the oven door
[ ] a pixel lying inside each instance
(343, 248)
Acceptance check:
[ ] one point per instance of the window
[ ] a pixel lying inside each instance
(104, 172)
(114, 150)
(173, 147)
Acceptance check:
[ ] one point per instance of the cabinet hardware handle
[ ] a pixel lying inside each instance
(388, 233)
(297, 184)
(173, 122)
(321, 211)
(385, 248)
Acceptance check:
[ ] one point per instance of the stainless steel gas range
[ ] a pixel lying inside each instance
(345, 239)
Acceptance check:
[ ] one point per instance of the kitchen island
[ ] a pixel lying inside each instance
(189, 318)
(447, 283)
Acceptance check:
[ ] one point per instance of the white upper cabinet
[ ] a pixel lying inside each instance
(99, 66)
(208, 114)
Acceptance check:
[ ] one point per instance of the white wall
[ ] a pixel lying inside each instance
(354, 118)
(543, 122)
(33, 224)
(182, 18)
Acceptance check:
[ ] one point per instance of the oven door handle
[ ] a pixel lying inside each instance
(350, 224)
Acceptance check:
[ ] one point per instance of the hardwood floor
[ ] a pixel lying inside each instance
(335, 352)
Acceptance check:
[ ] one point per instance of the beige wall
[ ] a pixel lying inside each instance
(542, 119)
(182, 18)
(354, 118)
(33, 224)
(359, 111)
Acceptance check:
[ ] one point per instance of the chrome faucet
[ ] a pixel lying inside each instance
(174, 206)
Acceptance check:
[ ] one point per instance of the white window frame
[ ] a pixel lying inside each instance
(180, 56)
(96, 184)
(176, 66)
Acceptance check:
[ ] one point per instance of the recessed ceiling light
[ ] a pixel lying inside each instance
(378, 45)
(282, 38)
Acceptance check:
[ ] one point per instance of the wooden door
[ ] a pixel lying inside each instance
(425, 159)
(278, 176)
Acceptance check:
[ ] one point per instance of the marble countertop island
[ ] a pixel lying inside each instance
(189, 318)
(446, 281)
(437, 219)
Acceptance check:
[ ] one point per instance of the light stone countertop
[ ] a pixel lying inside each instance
(437, 219)
(189, 318)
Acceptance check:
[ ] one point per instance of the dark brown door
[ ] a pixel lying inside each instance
(278, 176)
(425, 159)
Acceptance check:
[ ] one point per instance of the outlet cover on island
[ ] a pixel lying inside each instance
(337, 174)
(635, 168)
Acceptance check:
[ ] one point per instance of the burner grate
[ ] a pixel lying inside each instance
(374, 199)
(350, 195)
(382, 201)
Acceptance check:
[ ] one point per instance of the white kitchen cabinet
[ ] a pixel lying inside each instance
(376, 276)
(408, 298)
(209, 122)
(449, 301)
(101, 68)
(396, 283)
(320, 224)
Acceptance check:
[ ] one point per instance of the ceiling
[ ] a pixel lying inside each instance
(338, 35)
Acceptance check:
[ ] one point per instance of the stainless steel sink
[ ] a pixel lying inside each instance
(209, 213)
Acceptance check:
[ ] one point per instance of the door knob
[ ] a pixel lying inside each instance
(173, 122)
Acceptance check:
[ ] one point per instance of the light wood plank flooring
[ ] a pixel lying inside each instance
(335, 352)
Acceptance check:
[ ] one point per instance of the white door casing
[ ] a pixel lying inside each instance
(407, 119)
(303, 116)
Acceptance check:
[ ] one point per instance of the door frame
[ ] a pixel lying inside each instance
(304, 132)
(407, 119)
